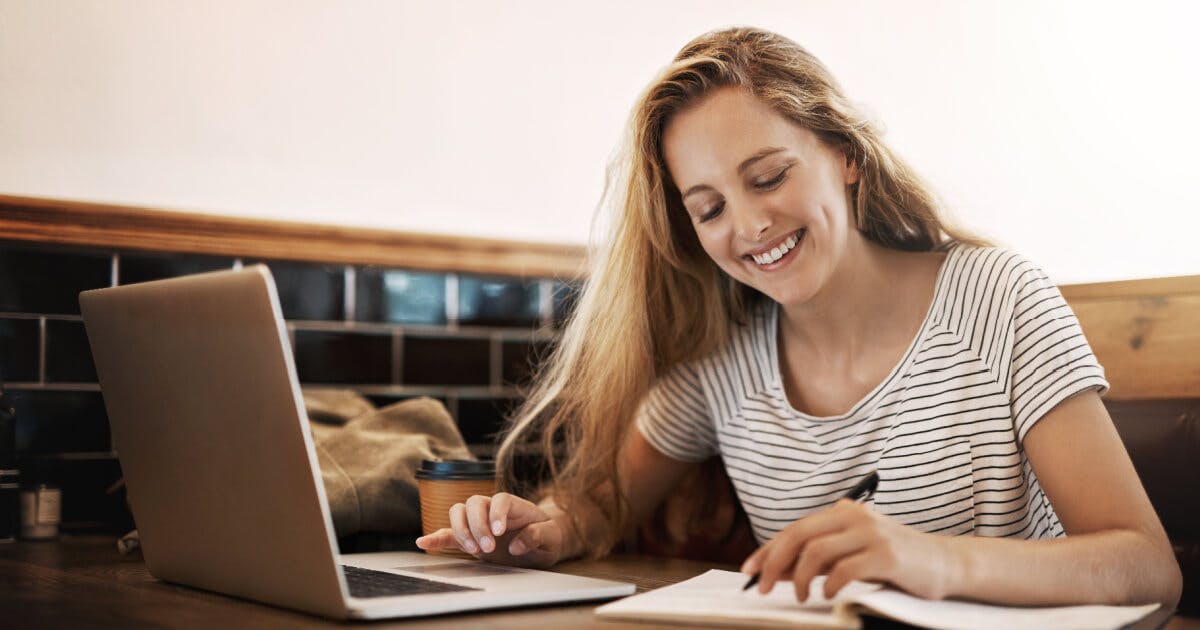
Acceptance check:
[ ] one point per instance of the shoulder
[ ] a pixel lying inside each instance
(973, 272)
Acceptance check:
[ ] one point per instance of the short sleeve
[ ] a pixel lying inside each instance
(675, 418)
(1051, 358)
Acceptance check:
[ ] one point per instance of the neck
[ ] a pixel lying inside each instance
(857, 301)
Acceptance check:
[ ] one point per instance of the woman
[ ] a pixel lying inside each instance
(780, 290)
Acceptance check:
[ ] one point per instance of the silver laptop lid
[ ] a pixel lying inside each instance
(207, 419)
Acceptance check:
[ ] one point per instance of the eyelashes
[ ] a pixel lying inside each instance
(767, 185)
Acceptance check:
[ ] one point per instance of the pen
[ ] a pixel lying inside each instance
(860, 492)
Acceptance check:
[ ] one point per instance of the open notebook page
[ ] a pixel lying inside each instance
(716, 597)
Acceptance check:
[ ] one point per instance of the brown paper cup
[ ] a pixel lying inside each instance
(442, 484)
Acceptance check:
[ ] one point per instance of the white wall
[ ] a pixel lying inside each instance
(1065, 130)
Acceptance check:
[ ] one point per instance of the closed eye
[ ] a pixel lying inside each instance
(774, 182)
(712, 213)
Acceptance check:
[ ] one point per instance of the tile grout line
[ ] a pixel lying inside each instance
(42, 350)
(349, 295)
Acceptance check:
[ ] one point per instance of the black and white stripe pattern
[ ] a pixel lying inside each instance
(998, 348)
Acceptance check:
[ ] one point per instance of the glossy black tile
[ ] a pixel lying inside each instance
(399, 296)
(68, 355)
(566, 297)
(139, 267)
(19, 350)
(35, 280)
(497, 301)
(60, 422)
(446, 361)
(480, 420)
(343, 357)
(309, 290)
(519, 360)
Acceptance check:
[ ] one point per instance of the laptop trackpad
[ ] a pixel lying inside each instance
(460, 570)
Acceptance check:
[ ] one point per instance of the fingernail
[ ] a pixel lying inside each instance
(517, 547)
(469, 545)
(497, 526)
(487, 544)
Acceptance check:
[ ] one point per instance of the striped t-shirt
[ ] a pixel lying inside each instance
(998, 348)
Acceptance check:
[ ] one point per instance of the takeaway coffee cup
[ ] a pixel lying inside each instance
(441, 484)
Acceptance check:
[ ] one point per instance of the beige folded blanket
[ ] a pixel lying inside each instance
(369, 457)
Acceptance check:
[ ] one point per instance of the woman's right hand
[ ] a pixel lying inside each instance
(502, 528)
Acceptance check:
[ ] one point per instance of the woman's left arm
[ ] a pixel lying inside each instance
(1116, 551)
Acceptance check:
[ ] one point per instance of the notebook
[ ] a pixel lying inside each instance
(716, 598)
(207, 418)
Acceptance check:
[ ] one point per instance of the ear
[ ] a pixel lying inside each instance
(851, 169)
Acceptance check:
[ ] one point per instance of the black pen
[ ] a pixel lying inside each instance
(860, 492)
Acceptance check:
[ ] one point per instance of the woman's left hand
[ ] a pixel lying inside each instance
(850, 541)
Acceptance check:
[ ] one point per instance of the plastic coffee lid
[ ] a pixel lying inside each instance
(456, 469)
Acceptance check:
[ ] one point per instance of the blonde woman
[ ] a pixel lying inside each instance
(780, 290)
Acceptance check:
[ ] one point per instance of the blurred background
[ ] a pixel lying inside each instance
(1063, 129)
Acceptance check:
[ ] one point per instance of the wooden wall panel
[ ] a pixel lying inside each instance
(1146, 334)
(123, 227)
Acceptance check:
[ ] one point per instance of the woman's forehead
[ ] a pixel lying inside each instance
(716, 134)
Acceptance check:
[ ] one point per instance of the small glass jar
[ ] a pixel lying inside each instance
(41, 511)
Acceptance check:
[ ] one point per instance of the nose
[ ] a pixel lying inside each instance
(752, 223)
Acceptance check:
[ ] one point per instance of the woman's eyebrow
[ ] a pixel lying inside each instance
(747, 163)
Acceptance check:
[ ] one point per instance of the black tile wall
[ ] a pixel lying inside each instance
(496, 301)
(62, 428)
(481, 419)
(343, 357)
(309, 291)
(399, 296)
(19, 350)
(133, 268)
(68, 355)
(60, 421)
(518, 359)
(446, 361)
(48, 281)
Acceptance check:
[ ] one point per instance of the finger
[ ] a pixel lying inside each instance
(522, 512)
(855, 567)
(477, 518)
(439, 539)
(752, 562)
(462, 531)
(821, 553)
(781, 557)
(498, 513)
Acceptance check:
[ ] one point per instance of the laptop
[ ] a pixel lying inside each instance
(213, 438)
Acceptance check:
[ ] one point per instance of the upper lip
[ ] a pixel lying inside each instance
(773, 244)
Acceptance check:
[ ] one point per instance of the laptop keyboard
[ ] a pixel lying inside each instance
(368, 583)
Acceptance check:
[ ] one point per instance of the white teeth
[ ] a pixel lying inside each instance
(776, 252)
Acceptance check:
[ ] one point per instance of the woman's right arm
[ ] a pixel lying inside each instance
(507, 529)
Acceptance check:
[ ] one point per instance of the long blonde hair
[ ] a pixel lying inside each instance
(654, 298)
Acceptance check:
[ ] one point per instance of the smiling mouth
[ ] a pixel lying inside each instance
(779, 252)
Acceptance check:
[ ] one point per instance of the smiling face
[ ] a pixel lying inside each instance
(768, 200)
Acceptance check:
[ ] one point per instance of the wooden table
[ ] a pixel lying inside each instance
(83, 582)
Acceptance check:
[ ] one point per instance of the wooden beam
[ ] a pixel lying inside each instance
(109, 226)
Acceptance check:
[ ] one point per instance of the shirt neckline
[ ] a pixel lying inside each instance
(872, 398)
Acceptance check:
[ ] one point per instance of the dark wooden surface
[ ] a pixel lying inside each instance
(82, 582)
(111, 226)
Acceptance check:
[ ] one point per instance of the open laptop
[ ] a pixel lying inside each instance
(207, 417)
